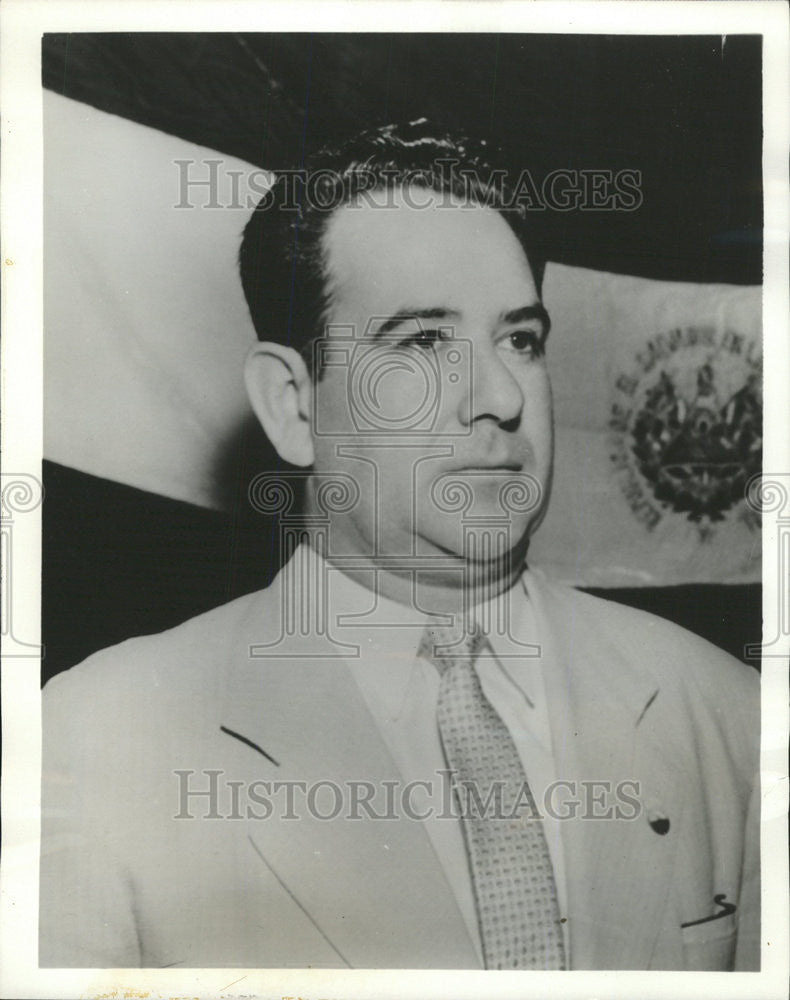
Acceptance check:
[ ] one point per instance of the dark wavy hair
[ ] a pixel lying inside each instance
(282, 259)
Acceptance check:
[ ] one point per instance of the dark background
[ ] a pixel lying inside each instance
(686, 111)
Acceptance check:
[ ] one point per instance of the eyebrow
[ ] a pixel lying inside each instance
(525, 313)
(521, 315)
(404, 315)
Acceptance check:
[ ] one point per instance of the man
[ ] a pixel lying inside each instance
(410, 751)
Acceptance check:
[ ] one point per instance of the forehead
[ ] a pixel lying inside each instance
(451, 254)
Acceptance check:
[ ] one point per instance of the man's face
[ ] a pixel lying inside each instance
(437, 396)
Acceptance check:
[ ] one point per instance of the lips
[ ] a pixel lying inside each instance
(485, 465)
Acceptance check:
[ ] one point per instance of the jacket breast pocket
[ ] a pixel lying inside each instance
(710, 946)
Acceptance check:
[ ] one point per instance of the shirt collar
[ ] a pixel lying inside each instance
(388, 634)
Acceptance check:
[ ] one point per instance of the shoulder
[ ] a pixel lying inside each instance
(683, 664)
(183, 665)
(689, 698)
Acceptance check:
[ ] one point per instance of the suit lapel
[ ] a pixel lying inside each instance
(372, 887)
(618, 869)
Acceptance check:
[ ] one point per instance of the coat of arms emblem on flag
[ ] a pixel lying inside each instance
(686, 425)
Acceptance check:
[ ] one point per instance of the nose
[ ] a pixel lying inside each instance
(492, 391)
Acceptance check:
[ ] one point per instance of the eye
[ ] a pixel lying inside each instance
(529, 343)
(425, 339)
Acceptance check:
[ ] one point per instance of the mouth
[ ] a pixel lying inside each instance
(486, 466)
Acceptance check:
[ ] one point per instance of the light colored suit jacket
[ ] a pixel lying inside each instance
(124, 882)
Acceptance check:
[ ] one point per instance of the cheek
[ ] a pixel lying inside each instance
(379, 392)
(395, 390)
(330, 404)
(538, 416)
(536, 413)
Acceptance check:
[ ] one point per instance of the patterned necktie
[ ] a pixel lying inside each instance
(509, 858)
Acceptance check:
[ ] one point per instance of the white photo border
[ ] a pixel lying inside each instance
(23, 23)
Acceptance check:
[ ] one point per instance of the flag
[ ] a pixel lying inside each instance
(658, 405)
(657, 385)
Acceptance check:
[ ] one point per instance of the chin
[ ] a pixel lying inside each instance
(493, 543)
(481, 544)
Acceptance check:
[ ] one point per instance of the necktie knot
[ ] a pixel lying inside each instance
(447, 645)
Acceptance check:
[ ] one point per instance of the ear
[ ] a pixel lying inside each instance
(280, 391)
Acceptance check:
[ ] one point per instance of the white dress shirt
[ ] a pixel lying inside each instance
(401, 691)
